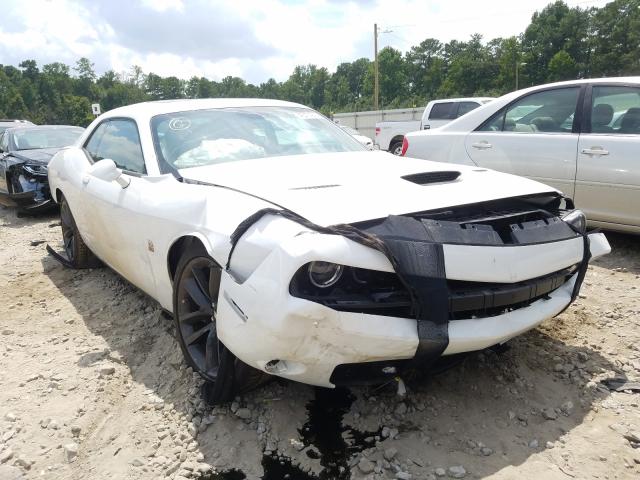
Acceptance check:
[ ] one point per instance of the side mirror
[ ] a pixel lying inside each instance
(107, 170)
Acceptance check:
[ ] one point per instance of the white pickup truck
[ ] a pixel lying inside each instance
(436, 114)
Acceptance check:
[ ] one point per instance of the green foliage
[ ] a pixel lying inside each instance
(562, 67)
(560, 43)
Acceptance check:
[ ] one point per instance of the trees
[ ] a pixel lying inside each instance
(615, 39)
(559, 43)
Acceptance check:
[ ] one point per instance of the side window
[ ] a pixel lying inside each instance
(546, 111)
(615, 110)
(466, 107)
(93, 145)
(442, 111)
(121, 143)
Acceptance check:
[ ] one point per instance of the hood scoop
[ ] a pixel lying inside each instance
(426, 178)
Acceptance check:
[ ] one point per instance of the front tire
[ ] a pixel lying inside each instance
(195, 298)
(78, 254)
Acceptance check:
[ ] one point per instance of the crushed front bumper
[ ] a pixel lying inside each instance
(266, 327)
(27, 201)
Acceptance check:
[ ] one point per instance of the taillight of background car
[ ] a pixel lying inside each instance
(377, 130)
(405, 145)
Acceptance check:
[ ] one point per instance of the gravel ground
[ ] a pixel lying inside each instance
(93, 386)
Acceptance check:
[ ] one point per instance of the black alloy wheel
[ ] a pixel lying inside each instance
(197, 296)
(78, 254)
(68, 230)
(196, 287)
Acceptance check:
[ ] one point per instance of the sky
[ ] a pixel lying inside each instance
(253, 39)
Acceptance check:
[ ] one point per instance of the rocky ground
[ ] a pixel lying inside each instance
(93, 386)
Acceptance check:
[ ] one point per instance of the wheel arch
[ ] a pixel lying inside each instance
(180, 245)
(396, 139)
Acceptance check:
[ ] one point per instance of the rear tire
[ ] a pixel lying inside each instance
(396, 148)
(78, 254)
(195, 297)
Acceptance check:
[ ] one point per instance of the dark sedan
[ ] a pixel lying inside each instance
(25, 152)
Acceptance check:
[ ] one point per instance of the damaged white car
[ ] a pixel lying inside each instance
(282, 246)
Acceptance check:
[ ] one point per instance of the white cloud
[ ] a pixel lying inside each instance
(253, 39)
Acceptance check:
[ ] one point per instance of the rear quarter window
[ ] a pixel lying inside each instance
(443, 111)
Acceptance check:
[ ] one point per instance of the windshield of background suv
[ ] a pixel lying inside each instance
(206, 137)
(34, 138)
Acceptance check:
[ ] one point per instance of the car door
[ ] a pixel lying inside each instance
(608, 176)
(112, 213)
(535, 136)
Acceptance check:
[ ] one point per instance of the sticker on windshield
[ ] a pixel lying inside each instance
(179, 123)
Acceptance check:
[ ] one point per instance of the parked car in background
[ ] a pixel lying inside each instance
(436, 114)
(364, 140)
(283, 247)
(25, 152)
(9, 123)
(581, 137)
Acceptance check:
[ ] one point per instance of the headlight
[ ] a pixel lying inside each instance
(351, 289)
(577, 220)
(324, 274)
(35, 169)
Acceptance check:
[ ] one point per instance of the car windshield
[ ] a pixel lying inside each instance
(206, 137)
(35, 138)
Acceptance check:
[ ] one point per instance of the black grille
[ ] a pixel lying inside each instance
(476, 299)
(432, 177)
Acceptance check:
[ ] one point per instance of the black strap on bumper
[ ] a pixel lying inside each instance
(584, 265)
(419, 262)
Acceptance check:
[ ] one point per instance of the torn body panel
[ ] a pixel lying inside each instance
(309, 339)
(312, 340)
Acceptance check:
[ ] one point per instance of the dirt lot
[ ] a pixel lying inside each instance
(92, 386)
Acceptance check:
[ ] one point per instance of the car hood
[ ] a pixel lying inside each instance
(39, 155)
(349, 187)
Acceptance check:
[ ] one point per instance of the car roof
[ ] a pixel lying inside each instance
(462, 99)
(159, 107)
(41, 127)
(623, 80)
(7, 121)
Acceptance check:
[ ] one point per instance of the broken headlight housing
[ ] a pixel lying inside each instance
(35, 169)
(576, 220)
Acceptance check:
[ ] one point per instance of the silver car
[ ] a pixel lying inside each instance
(581, 137)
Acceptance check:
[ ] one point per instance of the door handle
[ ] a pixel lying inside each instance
(482, 145)
(594, 151)
(427, 127)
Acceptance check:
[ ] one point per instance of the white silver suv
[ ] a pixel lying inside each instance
(581, 137)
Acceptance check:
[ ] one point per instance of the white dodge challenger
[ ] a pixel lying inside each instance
(282, 246)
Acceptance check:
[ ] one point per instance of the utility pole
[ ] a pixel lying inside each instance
(519, 64)
(376, 85)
